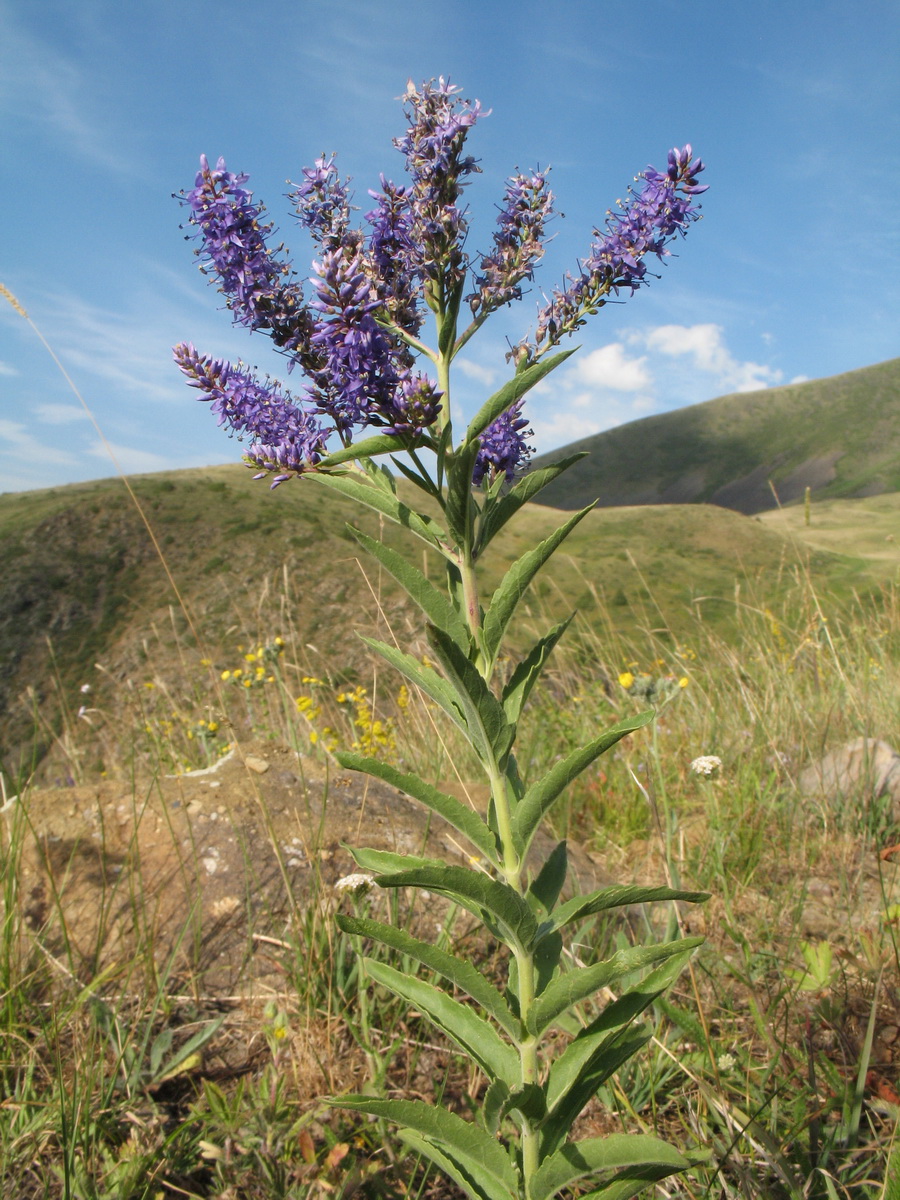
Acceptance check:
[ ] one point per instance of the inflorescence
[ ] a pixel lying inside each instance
(354, 331)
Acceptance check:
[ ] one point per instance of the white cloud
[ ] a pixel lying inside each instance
(60, 414)
(25, 446)
(129, 460)
(474, 371)
(564, 426)
(799, 379)
(609, 367)
(6, 369)
(704, 346)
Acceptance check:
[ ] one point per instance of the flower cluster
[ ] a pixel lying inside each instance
(662, 209)
(252, 278)
(518, 243)
(284, 436)
(706, 764)
(504, 447)
(355, 334)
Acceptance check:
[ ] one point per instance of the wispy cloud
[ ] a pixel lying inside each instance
(611, 368)
(6, 369)
(44, 88)
(129, 459)
(59, 414)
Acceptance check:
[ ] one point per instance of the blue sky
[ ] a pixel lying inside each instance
(794, 105)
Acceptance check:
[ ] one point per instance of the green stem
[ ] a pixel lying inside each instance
(528, 1058)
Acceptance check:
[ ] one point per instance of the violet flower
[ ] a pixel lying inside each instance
(661, 210)
(518, 243)
(234, 249)
(433, 147)
(284, 437)
(504, 446)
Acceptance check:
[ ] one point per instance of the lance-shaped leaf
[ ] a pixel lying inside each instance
(614, 897)
(457, 971)
(435, 605)
(489, 731)
(455, 813)
(385, 862)
(381, 443)
(478, 1186)
(577, 985)
(525, 676)
(617, 1048)
(473, 1150)
(460, 508)
(387, 503)
(613, 1154)
(458, 1021)
(515, 583)
(476, 892)
(497, 514)
(520, 383)
(541, 796)
(584, 1052)
(551, 878)
(426, 678)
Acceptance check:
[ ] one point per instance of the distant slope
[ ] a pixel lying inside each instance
(82, 584)
(839, 436)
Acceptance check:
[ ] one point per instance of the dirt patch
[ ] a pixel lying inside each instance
(211, 866)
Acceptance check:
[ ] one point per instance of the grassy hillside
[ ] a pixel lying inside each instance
(839, 436)
(84, 597)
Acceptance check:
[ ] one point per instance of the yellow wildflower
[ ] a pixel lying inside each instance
(626, 679)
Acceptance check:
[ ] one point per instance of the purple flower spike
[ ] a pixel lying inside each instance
(504, 446)
(415, 405)
(433, 148)
(234, 250)
(322, 203)
(358, 354)
(518, 243)
(662, 210)
(284, 437)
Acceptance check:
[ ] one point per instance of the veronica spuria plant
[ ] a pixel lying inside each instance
(377, 385)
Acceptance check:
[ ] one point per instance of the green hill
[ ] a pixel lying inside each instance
(84, 596)
(839, 436)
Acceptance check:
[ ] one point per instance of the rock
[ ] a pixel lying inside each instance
(864, 768)
(252, 763)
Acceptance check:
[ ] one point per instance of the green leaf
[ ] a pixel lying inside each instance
(458, 971)
(615, 897)
(458, 1021)
(477, 1185)
(515, 583)
(381, 443)
(489, 731)
(615, 1049)
(455, 813)
(384, 862)
(539, 798)
(476, 892)
(511, 391)
(617, 1152)
(630, 1182)
(388, 504)
(525, 676)
(576, 985)
(426, 678)
(497, 514)
(551, 878)
(435, 605)
(471, 1148)
(493, 1106)
(460, 506)
(547, 955)
(579, 1056)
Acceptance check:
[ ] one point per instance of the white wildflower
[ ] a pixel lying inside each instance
(706, 764)
(726, 1062)
(357, 883)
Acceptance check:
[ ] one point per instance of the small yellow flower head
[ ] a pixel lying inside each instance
(626, 679)
(212, 726)
(683, 681)
(251, 657)
(205, 662)
(226, 674)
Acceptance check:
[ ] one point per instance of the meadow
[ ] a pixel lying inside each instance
(128, 1073)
